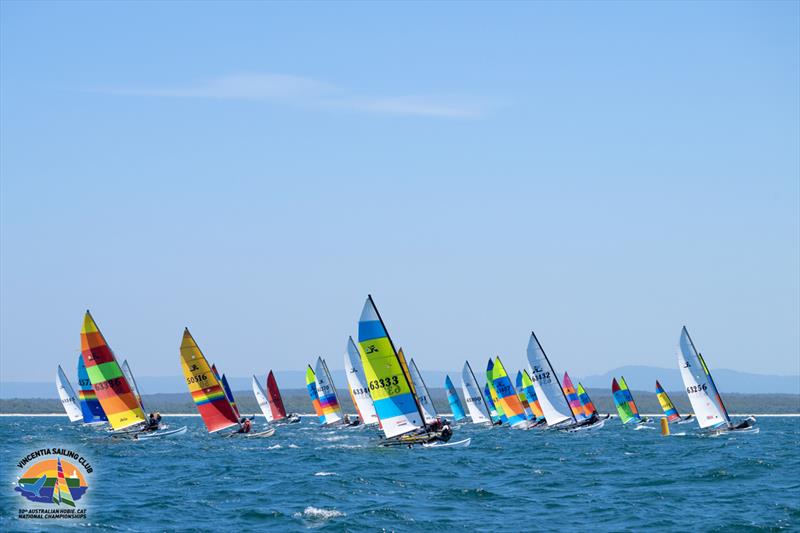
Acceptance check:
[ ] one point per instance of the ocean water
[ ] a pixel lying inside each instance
(311, 478)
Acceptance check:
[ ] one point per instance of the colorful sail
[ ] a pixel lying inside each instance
(113, 391)
(274, 398)
(706, 401)
(359, 392)
(493, 392)
(90, 408)
(388, 382)
(586, 402)
(261, 399)
(626, 412)
(666, 404)
(555, 407)
(627, 392)
(67, 396)
(454, 400)
(328, 399)
(523, 399)
(423, 396)
(496, 415)
(476, 404)
(313, 392)
(229, 396)
(61, 492)
(572, 398)
(507, 396)
(126, 370)
(206, 390)
(526, 385)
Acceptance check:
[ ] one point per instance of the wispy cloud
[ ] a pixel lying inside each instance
(307, 92)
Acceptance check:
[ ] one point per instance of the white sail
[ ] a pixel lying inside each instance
(126, 371)
(358, 388)
(476, 403)
(261, 398)
(423, 396)
(68, 398)
(548, 390)
(327, 393)
(703, 395)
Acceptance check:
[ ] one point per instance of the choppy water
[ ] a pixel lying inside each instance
(309, 478)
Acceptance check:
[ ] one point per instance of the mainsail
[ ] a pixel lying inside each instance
(525, 384)
(90, 408)
(423, 396)
(572, 398)
(623, 399)
(228, 392)
(523, 399)
(274, 398)
(545, 382)
(328, 399)
(666, 404)
(311, 387)
(494, 412)
(476, 403)
(113, 391)
(453, 400)
(588, 407)
(507, 399)
(67, 395)
(359, 392)
(261, 399)
(389, 384)
(61, 492)
(703, 394)
(206, 390)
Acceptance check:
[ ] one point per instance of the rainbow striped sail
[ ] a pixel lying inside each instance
(496, 415)
(206, 390)
(274, 398)
(113, 391)
(525, 384)
(588, 407)
(91, 409)
(572, 399)
(311, 386)
(61, 492)
(454, 400)
(476, 403)
(507, 397)
(67, 396)
(328, 399)
(388, 382)
(523, 399)
(623, 399)
(666, 404)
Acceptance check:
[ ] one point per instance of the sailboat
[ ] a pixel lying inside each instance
(276, 402)
(359, 392)
(491, 395)
(402, 421)
(703, 394)
(507, 399)
(588, 406)
(91, 409)
(670, 412)
(67, 395)
(207, 392)
(115, 394)
(422, 394)
(455, 402)
(498, 418)
(626, 405)
(555, 406)
(311, 387)
(477, 406)
(525, 387)
(328, 398)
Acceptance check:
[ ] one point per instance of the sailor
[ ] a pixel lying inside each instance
(347, 419)
(245, 428)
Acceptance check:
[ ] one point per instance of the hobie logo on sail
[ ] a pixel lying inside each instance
(55, 480)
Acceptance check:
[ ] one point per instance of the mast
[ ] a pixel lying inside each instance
(400, 363)
(555, 376)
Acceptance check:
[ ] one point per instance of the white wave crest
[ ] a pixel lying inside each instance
(326, 474)
(314, 513)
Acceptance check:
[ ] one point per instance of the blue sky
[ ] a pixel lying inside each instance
(600, 173)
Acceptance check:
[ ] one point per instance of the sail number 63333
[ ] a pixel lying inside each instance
(391, 384)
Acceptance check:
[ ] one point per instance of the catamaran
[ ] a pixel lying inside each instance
(208, 393)
(582, 407)
(552, 400)
(396, 405)
(703, 394)
(91, 409)
(626, 406)
(498, 418)
(478, 408)
(670, 412)
(421, 392)
(455, 402)
(507, 399)
(525, 387)
(115, 394)
(67, 395)
(359, 392)
(271, 403)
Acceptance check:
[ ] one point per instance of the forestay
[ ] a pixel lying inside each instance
(67, 395)
(358, 387)
(476, 403)
(703, 395)
(545, 382)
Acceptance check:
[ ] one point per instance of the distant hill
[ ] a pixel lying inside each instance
(638, 378)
